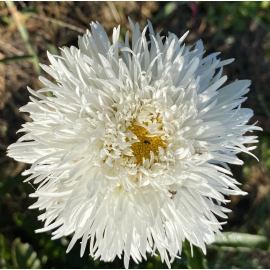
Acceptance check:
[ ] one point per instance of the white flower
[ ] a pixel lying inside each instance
(130, 154)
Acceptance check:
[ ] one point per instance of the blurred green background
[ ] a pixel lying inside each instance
(239, 30)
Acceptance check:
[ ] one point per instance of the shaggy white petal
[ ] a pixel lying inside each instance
(130, 154)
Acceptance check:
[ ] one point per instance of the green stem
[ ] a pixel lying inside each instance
(197, 260)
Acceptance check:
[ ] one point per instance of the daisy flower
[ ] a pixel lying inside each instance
(131, 152)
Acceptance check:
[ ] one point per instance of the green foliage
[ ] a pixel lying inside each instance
(3, 255)
(8, 184)
(23, 256)
(195, 260)
(15, 59)
(265, 151)
(233, 259)
(166, 11)
(52, 49)
(242, 240)
(233, 16)
(19, 255)
(5, 19)
(235, 13)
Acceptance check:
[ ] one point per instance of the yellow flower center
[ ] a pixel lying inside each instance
(142, 149)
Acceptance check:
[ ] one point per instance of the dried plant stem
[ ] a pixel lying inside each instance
(64, 24)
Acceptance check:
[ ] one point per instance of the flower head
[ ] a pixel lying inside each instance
(131, 152)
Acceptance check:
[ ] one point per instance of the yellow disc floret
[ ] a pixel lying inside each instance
(142, 149)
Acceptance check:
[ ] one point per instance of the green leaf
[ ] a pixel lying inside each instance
(10, 183)
(52, 49)
(2, 252)
(167, 10)
(236, 240)
(16, 59)
(55, 250)
(265, 4)
(197, 260)
(5, 19)
(24, 256)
